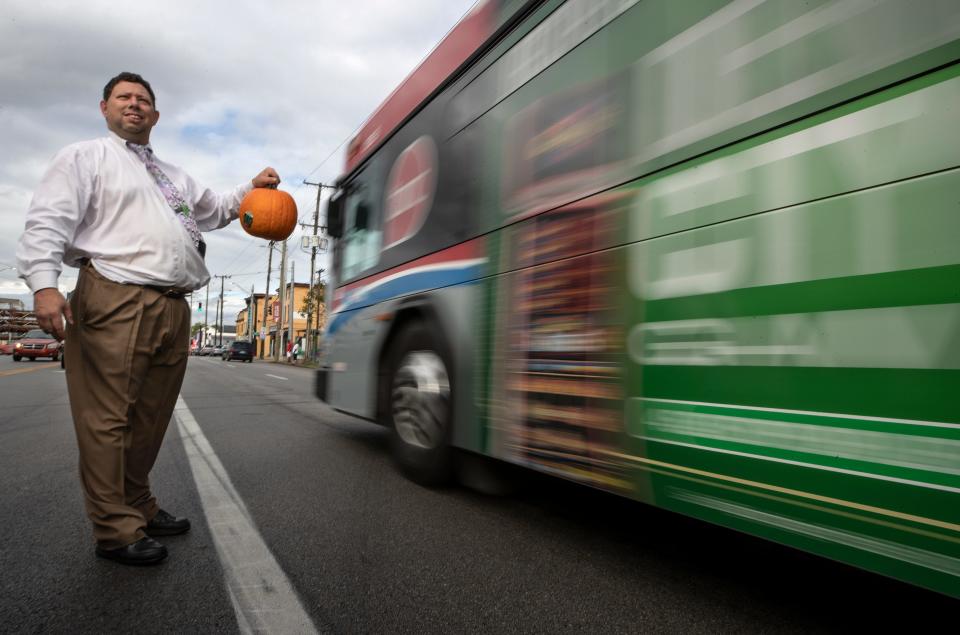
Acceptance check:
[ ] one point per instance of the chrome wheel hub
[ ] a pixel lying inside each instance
(419, 399)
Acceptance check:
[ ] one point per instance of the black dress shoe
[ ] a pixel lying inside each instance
(142, 552)
(164, 524)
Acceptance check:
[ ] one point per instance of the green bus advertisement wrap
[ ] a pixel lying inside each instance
(701, 254)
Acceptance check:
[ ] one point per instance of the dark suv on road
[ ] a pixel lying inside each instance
(239, 350)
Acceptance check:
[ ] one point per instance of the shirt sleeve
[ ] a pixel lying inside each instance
(212, 210)
(58, 207)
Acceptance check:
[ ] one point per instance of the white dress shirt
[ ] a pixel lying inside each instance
(97, 201)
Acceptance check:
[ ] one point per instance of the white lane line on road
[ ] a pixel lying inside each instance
(262, 596)
(275, 376)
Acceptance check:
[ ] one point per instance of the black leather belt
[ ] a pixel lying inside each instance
(170, 292)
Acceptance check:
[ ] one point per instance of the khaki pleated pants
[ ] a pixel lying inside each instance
(126, 354)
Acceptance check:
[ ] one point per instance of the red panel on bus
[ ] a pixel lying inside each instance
(462, 41)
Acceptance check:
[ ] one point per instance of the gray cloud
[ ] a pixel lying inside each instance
(239, 85)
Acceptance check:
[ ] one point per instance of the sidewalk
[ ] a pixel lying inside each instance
(303, 363)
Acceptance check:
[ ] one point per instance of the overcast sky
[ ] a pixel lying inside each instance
(240, 85)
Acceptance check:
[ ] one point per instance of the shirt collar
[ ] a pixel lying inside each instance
(123, 142)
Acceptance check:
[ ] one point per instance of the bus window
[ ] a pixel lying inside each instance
(361, 237)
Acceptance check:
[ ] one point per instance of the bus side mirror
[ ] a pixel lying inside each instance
(335, 215)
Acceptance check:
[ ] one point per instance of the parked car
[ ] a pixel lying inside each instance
(239, 350)
(218, 350)
(36, 344)
(7, 349)
(205, 350)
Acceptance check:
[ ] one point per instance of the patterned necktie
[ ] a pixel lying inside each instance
(170, 192)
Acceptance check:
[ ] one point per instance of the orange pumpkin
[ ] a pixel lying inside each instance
(268, 213)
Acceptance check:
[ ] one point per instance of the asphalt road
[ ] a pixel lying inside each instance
(366, 551)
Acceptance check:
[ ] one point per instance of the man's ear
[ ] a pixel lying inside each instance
(103, 108)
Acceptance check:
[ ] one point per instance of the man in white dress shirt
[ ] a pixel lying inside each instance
(131, 223)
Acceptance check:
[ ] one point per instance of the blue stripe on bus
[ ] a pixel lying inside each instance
(404, 285)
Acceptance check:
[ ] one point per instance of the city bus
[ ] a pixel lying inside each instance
(705, 255)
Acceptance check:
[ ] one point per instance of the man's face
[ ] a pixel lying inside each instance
(129, 112)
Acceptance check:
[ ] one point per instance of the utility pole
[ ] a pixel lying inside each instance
(283, 266)
(252, 315)
(314, 306)
(220, 314)
(220, 311)
(216, 321)
(317, 300)
(293, 295)
(266, 299)
(206, 307)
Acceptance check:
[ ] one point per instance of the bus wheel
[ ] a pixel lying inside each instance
(421, 407)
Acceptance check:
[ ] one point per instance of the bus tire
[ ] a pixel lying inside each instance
(420, 406)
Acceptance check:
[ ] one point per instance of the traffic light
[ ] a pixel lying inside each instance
(199, 307)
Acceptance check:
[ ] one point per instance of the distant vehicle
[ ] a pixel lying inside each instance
(8, 348)
(218, 350)
(205, 350)
(242, 351)
(36, 344)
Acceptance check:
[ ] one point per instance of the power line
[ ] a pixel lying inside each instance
(415, 67)
(350, 136)
(251, 241)
(248, 273)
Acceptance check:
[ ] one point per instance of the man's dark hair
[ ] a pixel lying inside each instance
(128, 77)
